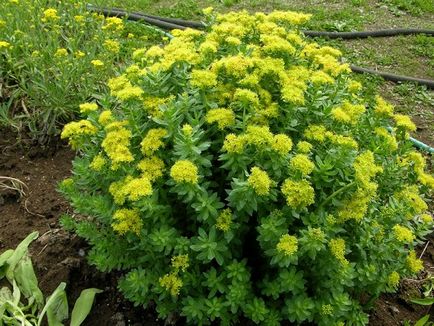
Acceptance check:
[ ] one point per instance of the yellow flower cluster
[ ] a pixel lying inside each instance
(153, 141)
(203, 78)
(403, 234)
(224, 117)
(97, 63)
(125, 220)
(172, 283)
(337, 248)
(298, 194)
(246, 96)
(61, 53)
(414, 264)
(393, 279)
(112, 46)
(98, 162)
(282, 144)
(224, 220)
(116, 145)
(388, 138)
(326, 310)
(365, 169)
(404, 122)
(180, 262)
(130, 188)
(259, 181)
(113, 24)
(419, 164)
(410, 197)
(355, 207)
(50, 14)
(4, 45)
(383, 108)
(233, 143)
(304, 147)
(184, 171)
(75, 129)
(302, 163)
(151, 167)
(348, 112)
(86, 108)
(288, 245)
(105, 117)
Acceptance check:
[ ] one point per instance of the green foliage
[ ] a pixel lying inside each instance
(17, 266)
(47, 61)
(243, 173)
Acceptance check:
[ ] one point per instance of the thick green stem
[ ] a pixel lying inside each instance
(337, 192)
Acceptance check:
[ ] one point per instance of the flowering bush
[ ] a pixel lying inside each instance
(237, 172)
(55, 55)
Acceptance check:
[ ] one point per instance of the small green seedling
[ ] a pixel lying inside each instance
(25, 305)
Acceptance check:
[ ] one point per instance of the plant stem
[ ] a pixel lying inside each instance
(337, 192)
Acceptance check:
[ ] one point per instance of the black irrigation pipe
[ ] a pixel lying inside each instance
(393, 77)
(366, 34)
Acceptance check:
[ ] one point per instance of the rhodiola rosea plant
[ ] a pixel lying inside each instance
(238, 173)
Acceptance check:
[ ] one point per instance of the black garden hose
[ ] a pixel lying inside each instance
(393, 77)
(366, 34)
(174, 23)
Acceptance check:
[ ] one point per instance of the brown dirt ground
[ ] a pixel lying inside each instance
(58, 255)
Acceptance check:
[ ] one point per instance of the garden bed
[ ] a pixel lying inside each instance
(58, 255)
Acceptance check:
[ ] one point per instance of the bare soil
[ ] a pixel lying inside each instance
(59, 256)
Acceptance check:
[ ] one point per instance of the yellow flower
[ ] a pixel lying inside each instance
(151, 167)
(259, 181)
(224, 220)
(224, 117)
(288, 245)
(282, 144)
(387, 137)
(98, 162)
(348, 112)
(291, 17)
(410, 197)
(208, 11)
(203, 79)
(337, 247)
(138, 188)
(320, 77)
(5, 45)
(50, 14)
(187, 130)
(246, 97)
(79, 54)
(75, 129)
(129, 92)
(354, 86)
(105, 117)
(184, 171)
(327, 310)
(304, 147)
(315, 132)
(426, 218)
(298, 194)
(403, 234)
(153, 141)
(61, 53)
(79, 18)
(112, 46)
(97, 63)
(383, 108)
(258, 136)
(404, 122)
(114, 24)
(355, 207)
(180, 262)
(171, 282)
(233, 143)
(86, 108)
(302, 163)
(116, 144)
(125, 220)
(414, 264)
(365, 168)
(393, 279)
